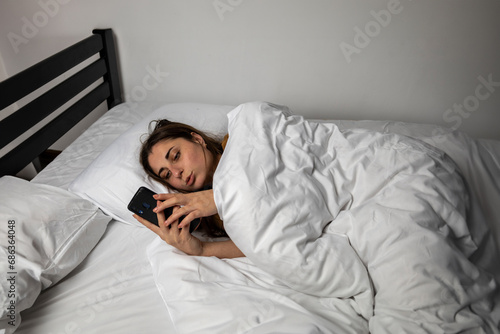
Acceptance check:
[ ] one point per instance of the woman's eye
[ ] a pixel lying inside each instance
(165, 175)
(177, 155)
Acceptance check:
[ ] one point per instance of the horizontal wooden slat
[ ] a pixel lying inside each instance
(16, 124)
(24, 83)
(17, 159)
(27, 81)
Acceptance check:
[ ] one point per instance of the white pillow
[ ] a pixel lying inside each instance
(45, 232)
(114, 177)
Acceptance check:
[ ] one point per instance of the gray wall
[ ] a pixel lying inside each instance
(426, 61)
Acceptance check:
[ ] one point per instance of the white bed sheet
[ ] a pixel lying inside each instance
(113, 289)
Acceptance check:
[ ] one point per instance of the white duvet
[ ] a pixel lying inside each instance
(344, 232)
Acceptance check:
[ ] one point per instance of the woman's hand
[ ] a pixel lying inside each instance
(192, 205)
(173, 235)
(186, 242)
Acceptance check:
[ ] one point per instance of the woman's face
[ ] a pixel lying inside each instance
(183, 164)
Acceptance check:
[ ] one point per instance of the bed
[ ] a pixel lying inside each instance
(75, 261)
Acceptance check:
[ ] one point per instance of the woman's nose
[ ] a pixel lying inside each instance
(177, 172)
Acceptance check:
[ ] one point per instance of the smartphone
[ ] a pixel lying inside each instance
(143, 203)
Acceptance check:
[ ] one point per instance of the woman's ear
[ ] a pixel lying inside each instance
(197, 138)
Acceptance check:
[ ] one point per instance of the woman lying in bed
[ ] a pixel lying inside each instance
(184, 159)
(378, 221)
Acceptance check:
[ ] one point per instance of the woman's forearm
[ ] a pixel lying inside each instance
(221, 249)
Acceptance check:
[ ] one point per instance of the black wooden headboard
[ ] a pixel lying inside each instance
(20, 85)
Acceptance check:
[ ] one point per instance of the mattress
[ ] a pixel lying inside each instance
(114, 288)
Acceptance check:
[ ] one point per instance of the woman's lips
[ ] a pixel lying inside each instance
(190, 179)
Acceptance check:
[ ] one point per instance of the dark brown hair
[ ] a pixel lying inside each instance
(164, 130)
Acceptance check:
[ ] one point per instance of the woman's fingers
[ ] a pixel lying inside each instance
(196, 199)
(164, 196)
(160, 215)
(178, 213)
(169, 200)
(193, 205)
(184, 232)
(174, 235)
(148, 224)
(187, 215)
(182, 239)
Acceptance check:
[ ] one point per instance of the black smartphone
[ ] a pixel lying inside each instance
(143, 204)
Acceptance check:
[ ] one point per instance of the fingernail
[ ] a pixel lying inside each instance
(155, 196)
(155, 209)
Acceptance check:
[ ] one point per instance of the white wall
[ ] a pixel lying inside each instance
(427, 61)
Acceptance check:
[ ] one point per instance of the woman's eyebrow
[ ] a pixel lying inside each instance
(166, 157)
(168, 153)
